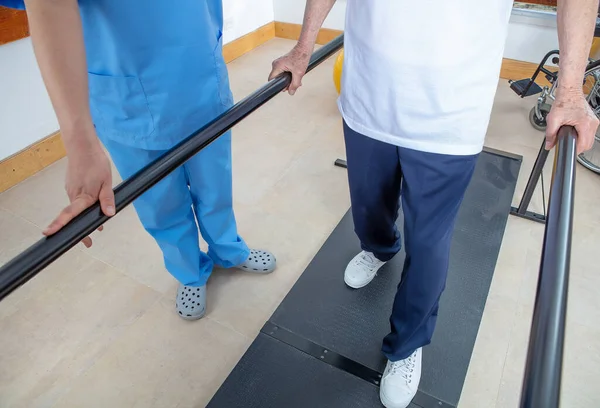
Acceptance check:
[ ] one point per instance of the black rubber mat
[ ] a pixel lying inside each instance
(321, 312)
(273, 374)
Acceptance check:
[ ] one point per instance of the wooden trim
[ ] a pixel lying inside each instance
(247, 43)
(514, 69)
(30, 160)
(291, 31)
(13, 25)
(595, 49)
(541, 2)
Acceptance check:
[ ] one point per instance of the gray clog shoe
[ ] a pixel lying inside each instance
(191, 302)
(259, 262)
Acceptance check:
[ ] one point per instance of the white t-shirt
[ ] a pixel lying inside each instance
(422, 74)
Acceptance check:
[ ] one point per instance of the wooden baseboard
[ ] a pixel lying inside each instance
(291, 31)
(514, 69)
(30, 160)
(13, 25)
(247, 43)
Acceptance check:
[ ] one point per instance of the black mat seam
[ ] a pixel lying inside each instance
(341, 362)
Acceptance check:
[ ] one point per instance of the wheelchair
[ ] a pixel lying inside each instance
(546, 94)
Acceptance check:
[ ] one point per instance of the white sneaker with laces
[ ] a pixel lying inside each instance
(361, 270)
(400, 381)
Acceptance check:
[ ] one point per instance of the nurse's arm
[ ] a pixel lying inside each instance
(576, 24)
(296, 61)
(57, 36)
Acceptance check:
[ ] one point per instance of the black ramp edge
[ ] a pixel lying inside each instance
(275, 375)
(352, 323)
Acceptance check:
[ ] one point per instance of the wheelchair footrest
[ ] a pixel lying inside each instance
(521, 85)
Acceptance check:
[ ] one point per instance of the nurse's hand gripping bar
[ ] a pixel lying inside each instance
(30, 262)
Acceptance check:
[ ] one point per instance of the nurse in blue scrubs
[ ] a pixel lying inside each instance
(139, 76)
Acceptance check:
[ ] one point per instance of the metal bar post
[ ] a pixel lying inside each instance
(542, 381)
(30, 262)
(536, 172)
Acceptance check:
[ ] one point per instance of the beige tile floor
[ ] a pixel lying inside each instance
(97, 328)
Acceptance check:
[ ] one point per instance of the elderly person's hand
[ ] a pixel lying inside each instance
(571, 108)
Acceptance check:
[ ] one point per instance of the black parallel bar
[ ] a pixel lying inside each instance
(541, 384)
(536, 172)
(30, 262)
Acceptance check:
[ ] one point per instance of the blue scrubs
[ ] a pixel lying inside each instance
(156, 74)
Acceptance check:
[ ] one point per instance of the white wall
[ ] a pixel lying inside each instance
(292, 11)
(26, 115)
(244, 16)
(531, 33)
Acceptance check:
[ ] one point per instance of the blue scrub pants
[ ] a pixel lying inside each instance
(431, 188)
(199, 192)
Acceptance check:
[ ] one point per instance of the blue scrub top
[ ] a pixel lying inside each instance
(156, 69)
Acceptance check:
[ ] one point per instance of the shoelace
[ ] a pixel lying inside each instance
(367, 260)
(404, 367)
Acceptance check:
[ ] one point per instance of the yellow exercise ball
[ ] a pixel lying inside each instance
(337, 71)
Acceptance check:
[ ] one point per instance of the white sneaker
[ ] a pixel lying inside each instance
(362, 269)
(400, 381)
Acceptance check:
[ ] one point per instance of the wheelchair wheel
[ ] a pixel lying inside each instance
(591, 158)
(537, 123)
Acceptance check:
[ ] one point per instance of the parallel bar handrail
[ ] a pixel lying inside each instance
(542, 380)
(30, 262)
